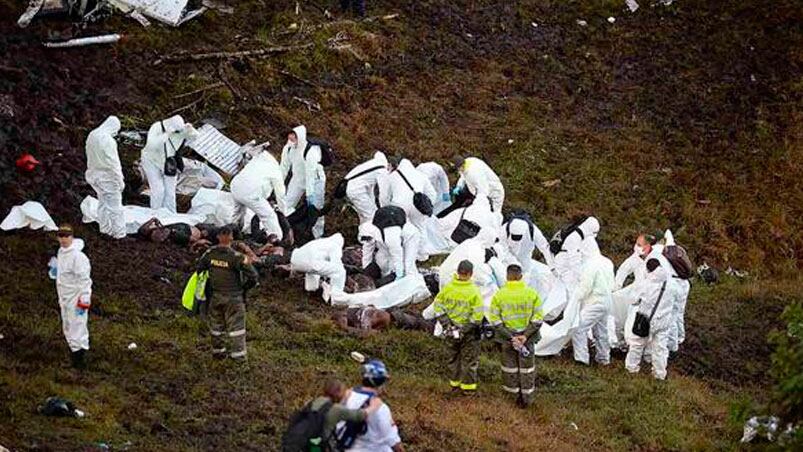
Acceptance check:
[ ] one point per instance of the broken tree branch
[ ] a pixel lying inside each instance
(200, 90)
(228, 55)
(297, 78)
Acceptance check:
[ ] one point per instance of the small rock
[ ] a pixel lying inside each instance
(611, 20)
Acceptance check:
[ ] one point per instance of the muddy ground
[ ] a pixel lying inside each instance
(687, 117)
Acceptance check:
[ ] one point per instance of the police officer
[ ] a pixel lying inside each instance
(230, 275)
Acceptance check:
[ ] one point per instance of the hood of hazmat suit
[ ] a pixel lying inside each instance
(165, 138)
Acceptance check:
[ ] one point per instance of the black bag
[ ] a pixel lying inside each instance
(346, 436)
(389, 216)
(641, 326)
(340, 189)
(556, 243)
(679, 259)
(174, 164)
(521, 215)
(465, 229)
(327, 154)
(306, 429)
(421, 201)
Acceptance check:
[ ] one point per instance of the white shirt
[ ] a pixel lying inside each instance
(382, 433)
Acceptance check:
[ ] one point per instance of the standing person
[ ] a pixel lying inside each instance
(105, 174)
(251, 188)
(677, 332)
(656, 302)
(593, 295)
(380, 432)
(516, 313)
(357, 5)
(635, 263)
(459, 308)
(301, 160)
(522, 237)
(230, 275)
(480, 180)
(440, 182)
(363, 183)
(74, 288)
(161, 160)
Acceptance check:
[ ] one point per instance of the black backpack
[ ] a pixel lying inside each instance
(306, 429)
(521, 215)
(389, 216)
(556, 243)
(327, 154)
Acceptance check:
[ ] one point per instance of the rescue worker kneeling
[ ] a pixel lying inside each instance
(459, 309)
(230, 275)
(516, 313)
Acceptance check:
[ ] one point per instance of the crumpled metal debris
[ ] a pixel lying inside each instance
(766, 427)
(81, 42)
(632, 5)
(736, 273)
(708, 274)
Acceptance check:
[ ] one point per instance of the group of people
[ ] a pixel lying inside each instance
(488, 286)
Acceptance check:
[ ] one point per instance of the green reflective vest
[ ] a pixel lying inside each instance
(461, 301)
(515, 306)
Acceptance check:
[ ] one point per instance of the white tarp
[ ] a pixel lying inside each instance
(410, 289)
(216, 207)
(552, 291)
(218, 149)
(31, 214)
(555, 337)
(136, 216)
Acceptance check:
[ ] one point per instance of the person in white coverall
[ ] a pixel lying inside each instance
(522, 237)
(308, 176)
(254, 184)
(594, 296)
(677, 332)
(400, 194)
(394, 249)
(569, 260)
(165, 138)
(440, 182)
(623, 309)
(363, 182)
(481, 181)
(655, 289)
(105, 174)
(321, 258)
(74, 288)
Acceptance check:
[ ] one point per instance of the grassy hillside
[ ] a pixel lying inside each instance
(685, 117)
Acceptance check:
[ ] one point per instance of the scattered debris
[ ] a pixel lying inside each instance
(218, 6)
(357, 357)
(311, 105)
(551, 183)
(736, 273)
(574, 426)
(56, 406)
(581, 22)
(133, 137)
(31, 214)
(632, 5)
(704, 202)
(766, 427)
(27, 163)
(170, 12)
(230, 55)
(534, 25)
(510, 141)
(611, 20)
(218, 149)
(1, 338)
(132, 346)
(708, 274)
(80, 42)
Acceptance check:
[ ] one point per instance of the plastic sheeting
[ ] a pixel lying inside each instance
(31, 215)
(136, 216)
(407, 290)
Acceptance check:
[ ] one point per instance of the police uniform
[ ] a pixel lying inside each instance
(229, 277)
(516, 310)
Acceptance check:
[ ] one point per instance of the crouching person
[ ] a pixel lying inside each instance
(516, 313)
(458, 307)
(655, 305)
(230, 275)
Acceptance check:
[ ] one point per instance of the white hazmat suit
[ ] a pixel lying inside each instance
(440, 182)
(74, 285)
(650, 293)
(522, 238)
(321, 258)
(677, 332)
(164, 140)
(364, 181)
(622, 310)
(308, 176)
(594, 296)
(569, 260)
(251, 188)
(482, 181)
(105, 174)
(394, 249)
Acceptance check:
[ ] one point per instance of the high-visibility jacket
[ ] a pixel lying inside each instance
(516, 306)
(460, 301)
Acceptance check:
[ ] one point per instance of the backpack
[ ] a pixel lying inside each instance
(305, 431)
(521, 215)
(350, 432)
(679, 259)
(327, 154)
(421, 201)
(556, 243)
(389, 216)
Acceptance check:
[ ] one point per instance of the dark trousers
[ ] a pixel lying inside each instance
(226, 319)
(464, 362)
(357, 5)
(518, 374)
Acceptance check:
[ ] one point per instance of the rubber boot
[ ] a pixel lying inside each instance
(78, 359)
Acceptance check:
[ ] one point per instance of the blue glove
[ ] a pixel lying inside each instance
(456, 190)
(445, 197)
